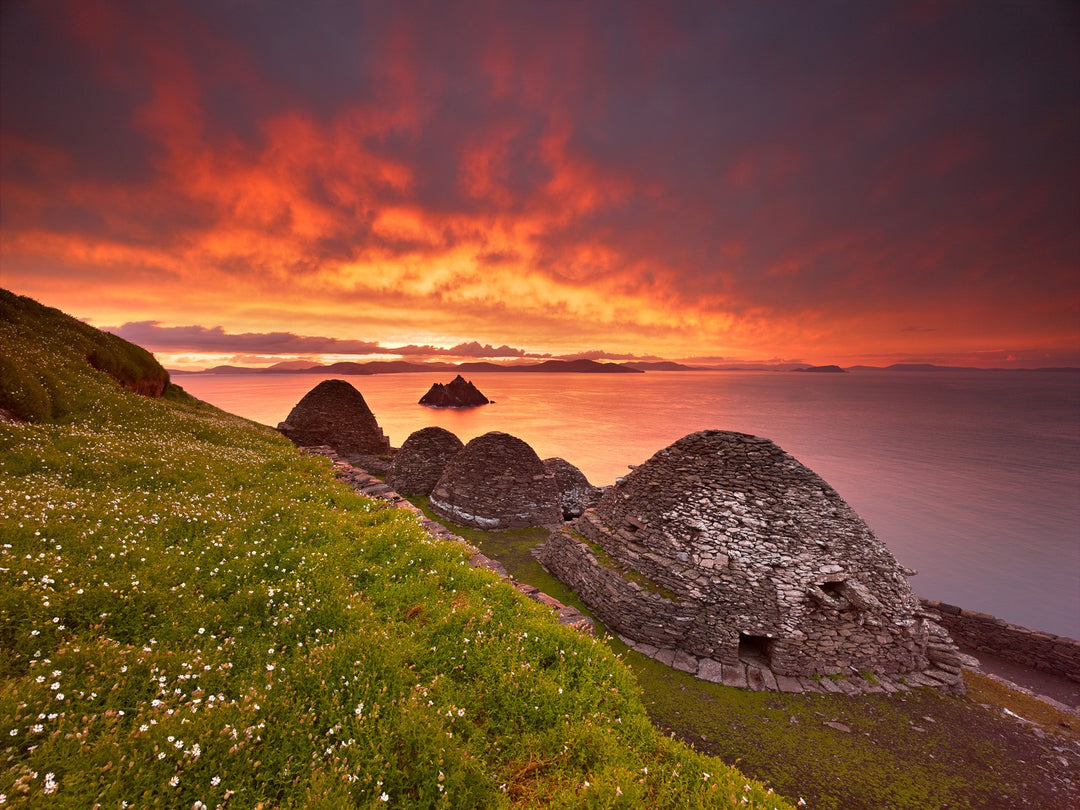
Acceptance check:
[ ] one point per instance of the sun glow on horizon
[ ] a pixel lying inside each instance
(495, 180)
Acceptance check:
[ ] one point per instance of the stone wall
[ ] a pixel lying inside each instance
(333, 413)
(576, 494)
(726, 548)
(367, 484)
(1032, 648)
(423, 457)
(497, 482)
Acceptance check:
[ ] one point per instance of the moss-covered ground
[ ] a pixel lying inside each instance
(993, 748)
(193, 614)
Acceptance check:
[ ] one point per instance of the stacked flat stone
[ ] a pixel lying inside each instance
(333, 413)
(576, 494)
(423, 457)
(726, 550)
(497, 482)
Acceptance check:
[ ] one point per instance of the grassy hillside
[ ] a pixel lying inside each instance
(992, 748)
(43, 359)
(192, 614)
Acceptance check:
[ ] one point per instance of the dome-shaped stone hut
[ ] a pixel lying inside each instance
(724, 547)
(335, 414)
(497, 482)
(420, 462)
(576, 494)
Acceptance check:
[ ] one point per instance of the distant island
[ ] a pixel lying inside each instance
(405, 367)
(458, 393)
(580, 366)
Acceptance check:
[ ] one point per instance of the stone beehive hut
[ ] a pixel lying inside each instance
(421, 460)
(576, 494)
(497, 482)
(333, 413)
(726, 549)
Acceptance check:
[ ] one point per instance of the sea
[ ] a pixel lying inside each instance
(970, 477)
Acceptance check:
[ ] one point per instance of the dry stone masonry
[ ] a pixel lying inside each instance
(724, 556)
(423, 457)
(497, 482)
(334, 413)
(576, 494)
(1051, 653)
(367, 484)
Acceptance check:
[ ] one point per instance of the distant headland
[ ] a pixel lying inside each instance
(579, 366)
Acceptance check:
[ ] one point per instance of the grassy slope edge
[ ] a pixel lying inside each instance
(192, 612)
(991, 748)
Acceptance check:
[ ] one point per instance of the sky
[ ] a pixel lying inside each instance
(729, 182)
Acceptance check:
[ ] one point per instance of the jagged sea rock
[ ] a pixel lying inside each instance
(497, 482)
(333, 413)
(421, 460)
(458, 393)
(727, 548)
(576, 494)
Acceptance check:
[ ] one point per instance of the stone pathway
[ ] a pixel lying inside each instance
(759, 678)
(367, 484)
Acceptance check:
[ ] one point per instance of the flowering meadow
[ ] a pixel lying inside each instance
(194, 615)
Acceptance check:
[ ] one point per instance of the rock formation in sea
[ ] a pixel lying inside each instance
(458, 393)
(497, 482)
(333, 413)
(728, 551)
(420, 462)
(576, 494)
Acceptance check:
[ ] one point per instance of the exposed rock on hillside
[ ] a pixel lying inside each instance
(725, 549)
(335, 414)
(420, 462)
(497, 482)
(33, 392)
(576, 494)
(458, 393)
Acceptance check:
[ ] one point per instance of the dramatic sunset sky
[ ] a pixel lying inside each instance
(832, 182)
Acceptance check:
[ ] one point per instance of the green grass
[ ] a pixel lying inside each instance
(919, 750)
(192, 612)
(45, 350)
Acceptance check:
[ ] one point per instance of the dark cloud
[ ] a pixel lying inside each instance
(152, 335)
(799, 169)
(474, 349)
(601, 355)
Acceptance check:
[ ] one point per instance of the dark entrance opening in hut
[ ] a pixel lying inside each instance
(755, 649)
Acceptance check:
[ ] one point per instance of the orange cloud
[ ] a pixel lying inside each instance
(620, 183)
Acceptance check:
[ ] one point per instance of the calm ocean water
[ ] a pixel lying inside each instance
(973, 478)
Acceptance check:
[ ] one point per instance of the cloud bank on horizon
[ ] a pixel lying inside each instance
(841, 181)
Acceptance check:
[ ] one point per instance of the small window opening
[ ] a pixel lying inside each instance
(833, 589)
(755, 649)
